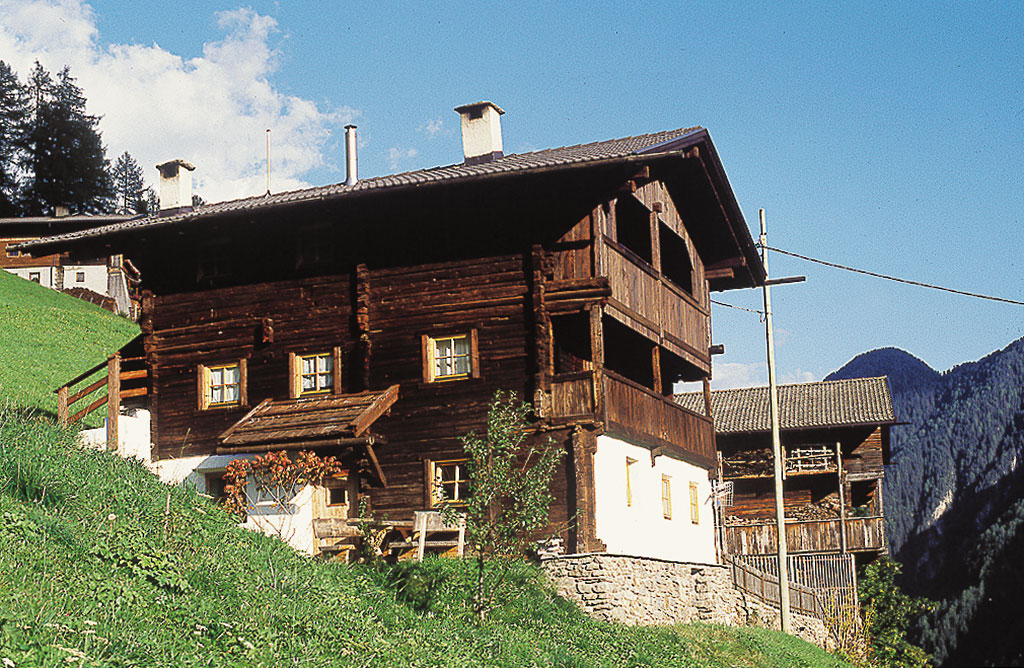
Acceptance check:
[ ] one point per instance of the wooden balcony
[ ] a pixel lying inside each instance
(633, 411)
(863, 534)
(657, 307)
(636, 412)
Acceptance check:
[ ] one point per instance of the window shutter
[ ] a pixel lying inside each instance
(243, 382)
(293, 376)
(474, 351)
(428, 358)
(428, 483)
(203, 386)
(337, 369)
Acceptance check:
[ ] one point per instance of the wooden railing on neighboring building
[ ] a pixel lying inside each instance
(863, 534)
(111, 385)
(639, 412)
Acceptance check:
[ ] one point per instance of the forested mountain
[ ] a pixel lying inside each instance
(953, 499)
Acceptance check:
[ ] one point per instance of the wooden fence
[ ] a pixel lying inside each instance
(764, 585)
(110, 384)
(831, 577)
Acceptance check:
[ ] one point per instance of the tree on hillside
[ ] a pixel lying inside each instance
(509, 496)
(13, 107)
(129, 187)
(62, 152)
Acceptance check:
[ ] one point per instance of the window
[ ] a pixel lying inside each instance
(11, 252)
(694, 504)
(666, 497)
(337, 491)
(215, 487)
(448, 481)
(222, 385)
(313, 247)
(79, 277)
(33, 276)
(450, 357)
(630, 463)
(314, 373)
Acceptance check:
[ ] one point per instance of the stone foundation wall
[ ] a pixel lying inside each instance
(639, 590)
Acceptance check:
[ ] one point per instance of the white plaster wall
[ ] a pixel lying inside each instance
(95, 277)
(47, 274)
(133, 436)
(641, 529)
(293, 523)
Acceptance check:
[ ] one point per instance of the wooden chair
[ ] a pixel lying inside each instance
(430, 529)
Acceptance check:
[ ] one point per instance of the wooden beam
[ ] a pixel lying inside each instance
(379, 406)
(717, 349)
(373, 460)
(725, 272)
(113, 399)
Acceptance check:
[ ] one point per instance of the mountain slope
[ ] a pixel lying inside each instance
(950, 496)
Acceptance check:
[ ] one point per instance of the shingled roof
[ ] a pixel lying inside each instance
(614, 150)
(320, 420)
(832, 403)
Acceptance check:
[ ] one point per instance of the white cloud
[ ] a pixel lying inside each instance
(729, 375)
(212, 110)
(432, 127)
(797, 376)
(396, 156)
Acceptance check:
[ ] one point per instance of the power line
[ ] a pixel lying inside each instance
(741, 308)
(893, 278)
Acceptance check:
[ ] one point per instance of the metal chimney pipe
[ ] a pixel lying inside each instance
(351, 175)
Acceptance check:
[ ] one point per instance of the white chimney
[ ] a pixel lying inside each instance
(351, 165)
(175, 185)
(481, 132)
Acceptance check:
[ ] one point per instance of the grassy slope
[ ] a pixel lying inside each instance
(47, 338)
(91, 567)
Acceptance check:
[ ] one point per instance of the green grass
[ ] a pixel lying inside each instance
(47, 338)
(94, 573)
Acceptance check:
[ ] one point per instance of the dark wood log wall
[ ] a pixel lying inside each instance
(222, 326)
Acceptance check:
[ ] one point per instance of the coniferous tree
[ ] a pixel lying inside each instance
(129, 188)
(63, 154)
(13, 109)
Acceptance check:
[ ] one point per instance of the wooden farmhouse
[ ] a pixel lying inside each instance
(99, 279)
(375, 319)
(835, 438)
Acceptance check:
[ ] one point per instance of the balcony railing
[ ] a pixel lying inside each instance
(656, 303)
(572, 394)
(863, 534)
(638, 412)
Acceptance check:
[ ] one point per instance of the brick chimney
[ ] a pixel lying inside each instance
(175, 186)
(481, 132)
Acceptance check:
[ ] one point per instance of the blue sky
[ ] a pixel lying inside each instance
(884, 136)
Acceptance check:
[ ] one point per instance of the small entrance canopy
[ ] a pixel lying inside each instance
(311, 422)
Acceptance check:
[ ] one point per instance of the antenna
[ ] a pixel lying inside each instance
(268, 161)
(721, 492)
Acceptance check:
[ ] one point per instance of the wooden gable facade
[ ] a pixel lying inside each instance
(835, 438)
(578, 279)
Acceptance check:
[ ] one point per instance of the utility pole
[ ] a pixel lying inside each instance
(773, 394)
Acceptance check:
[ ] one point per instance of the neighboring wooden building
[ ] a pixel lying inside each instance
(835, 437)
(95, 279)
(578, 277)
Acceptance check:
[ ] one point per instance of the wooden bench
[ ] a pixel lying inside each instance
(336, 528)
